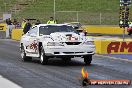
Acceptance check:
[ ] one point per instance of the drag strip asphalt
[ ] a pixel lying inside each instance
(55, 74)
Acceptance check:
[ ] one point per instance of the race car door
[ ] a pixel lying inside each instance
(32, 41)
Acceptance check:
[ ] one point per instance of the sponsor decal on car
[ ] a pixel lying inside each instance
(33, 46)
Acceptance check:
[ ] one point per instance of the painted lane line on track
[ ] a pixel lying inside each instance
(5, 83)
(114, 58)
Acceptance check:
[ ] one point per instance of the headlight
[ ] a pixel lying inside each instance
(89, 43)
(55, 44)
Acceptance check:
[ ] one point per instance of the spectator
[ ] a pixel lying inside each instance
(23, 23)
(51, 21)
(27, 27)
(8, 21)
(9, 28)
(37, 22)
(15, 23)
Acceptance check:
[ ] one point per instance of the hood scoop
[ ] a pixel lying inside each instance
(72, 38)
(68, 34)
(66, 37)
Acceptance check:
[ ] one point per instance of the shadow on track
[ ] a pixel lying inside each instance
(59, 62)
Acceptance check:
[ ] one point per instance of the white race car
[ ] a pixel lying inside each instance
(55, 40)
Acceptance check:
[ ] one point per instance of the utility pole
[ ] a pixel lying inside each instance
(5, 6)
(77, 16)
(100, 18)
(54, 9)
(15, 8)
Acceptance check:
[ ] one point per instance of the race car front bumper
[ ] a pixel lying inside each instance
(70, 50)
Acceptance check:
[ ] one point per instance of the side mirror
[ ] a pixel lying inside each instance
(75, 27)
(33, 35)
(85, 33)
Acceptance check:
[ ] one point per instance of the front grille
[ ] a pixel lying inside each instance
(72, 52)
(56, 52)
(72, 43)
(68, 52)
(89, 52)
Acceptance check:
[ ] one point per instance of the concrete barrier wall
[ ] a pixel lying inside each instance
(89, 29)
(17, 33)
(113, 47)
(102, 46)
(3, 27)
(104, 30)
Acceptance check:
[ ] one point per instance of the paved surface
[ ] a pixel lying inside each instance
(111, 38)
(55, 74)
(121, 56)
(119, 36)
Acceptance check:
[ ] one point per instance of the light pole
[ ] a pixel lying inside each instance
(77, 17)
(5, 6)
(54, 9)
(100, 18)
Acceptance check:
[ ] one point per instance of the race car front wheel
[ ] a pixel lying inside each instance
(43, 57)
(88, 59)
(23, 55)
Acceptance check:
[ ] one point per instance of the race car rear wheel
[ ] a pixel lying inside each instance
(88, 59)
(43, 57)
(23, 55)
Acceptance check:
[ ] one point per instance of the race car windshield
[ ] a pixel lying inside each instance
(47, 30)
(76, 24)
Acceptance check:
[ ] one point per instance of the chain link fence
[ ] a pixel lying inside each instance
(85, 18)
(89, 18)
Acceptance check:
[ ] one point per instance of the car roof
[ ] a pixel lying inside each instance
(75, 22)
(52, 25)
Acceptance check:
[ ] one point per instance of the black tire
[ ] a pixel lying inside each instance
(23, 55)
(88, 59)
(43, 57)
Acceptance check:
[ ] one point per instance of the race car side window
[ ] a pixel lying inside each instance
(34, 30)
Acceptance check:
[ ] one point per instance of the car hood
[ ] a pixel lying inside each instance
(65, 37)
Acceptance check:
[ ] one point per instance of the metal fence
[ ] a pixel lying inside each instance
(89, 18)
(85, 18)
